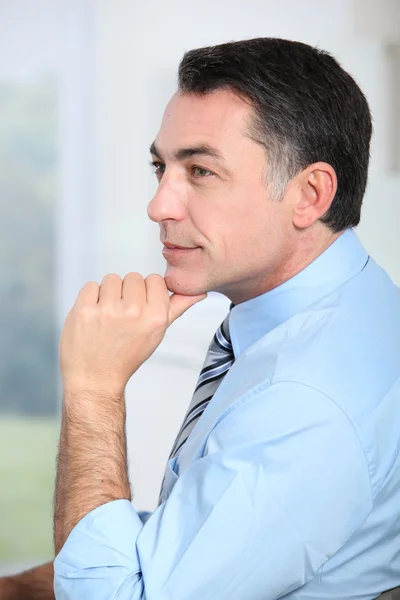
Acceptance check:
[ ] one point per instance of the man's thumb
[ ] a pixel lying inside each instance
(180, 304)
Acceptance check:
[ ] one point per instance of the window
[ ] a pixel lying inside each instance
(45, 250)
(28, 339)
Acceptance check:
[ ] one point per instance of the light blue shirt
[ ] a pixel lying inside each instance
(289, 484)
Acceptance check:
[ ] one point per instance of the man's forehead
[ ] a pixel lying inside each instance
(191, 119)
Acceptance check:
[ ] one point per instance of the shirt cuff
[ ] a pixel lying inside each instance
(100, 553)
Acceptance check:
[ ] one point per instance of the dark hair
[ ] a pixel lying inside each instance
(306, 109)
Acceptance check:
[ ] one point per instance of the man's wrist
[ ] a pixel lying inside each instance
(79, 392)
(92, 406)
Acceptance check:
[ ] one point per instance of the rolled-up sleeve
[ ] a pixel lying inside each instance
(282, 485)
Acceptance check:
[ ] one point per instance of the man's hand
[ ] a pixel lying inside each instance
(110, 332)
(35, 584)
(114, 328)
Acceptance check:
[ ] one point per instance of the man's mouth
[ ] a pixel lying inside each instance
(174, 250)
(177, 247)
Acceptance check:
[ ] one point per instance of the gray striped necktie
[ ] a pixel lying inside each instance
(218, 361)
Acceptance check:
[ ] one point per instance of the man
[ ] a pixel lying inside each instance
(284, 480)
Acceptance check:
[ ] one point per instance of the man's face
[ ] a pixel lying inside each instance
(212, 199)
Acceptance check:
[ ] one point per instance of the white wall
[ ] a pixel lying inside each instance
(139, 45)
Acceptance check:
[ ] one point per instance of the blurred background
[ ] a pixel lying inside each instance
(83, 84)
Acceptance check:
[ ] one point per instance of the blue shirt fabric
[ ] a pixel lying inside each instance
(289, 484)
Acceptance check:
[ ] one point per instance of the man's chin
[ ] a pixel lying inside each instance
(183, 286)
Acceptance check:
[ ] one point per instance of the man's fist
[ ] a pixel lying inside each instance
(114, 328)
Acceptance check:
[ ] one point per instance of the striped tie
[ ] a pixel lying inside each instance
(218, 361)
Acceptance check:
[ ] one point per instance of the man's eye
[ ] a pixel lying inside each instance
(158, 168)
(200, 172)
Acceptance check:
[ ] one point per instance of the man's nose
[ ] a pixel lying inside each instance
(168, 202)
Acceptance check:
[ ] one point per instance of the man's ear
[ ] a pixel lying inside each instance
(316, 186)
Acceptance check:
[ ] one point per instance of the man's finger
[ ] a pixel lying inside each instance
(134, 290)
(180, 304)
(110, 289)
(157, 293)
(89, 295)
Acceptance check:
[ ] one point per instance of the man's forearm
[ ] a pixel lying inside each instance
(59, 492)
(92, 462)
(36, 584)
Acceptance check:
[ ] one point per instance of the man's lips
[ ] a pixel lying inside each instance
(176, 247)
(173, 253)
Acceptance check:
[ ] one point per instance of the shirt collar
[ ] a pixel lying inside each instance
(251, 320)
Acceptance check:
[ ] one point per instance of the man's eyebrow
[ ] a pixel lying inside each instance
(154, 150)
(182, 153)
(202, 150)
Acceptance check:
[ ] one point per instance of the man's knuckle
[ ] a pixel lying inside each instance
(159, 320)
(134, 311)
(86, 312)
(107, 311)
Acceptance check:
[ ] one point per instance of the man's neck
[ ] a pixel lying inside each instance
(308, 248)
